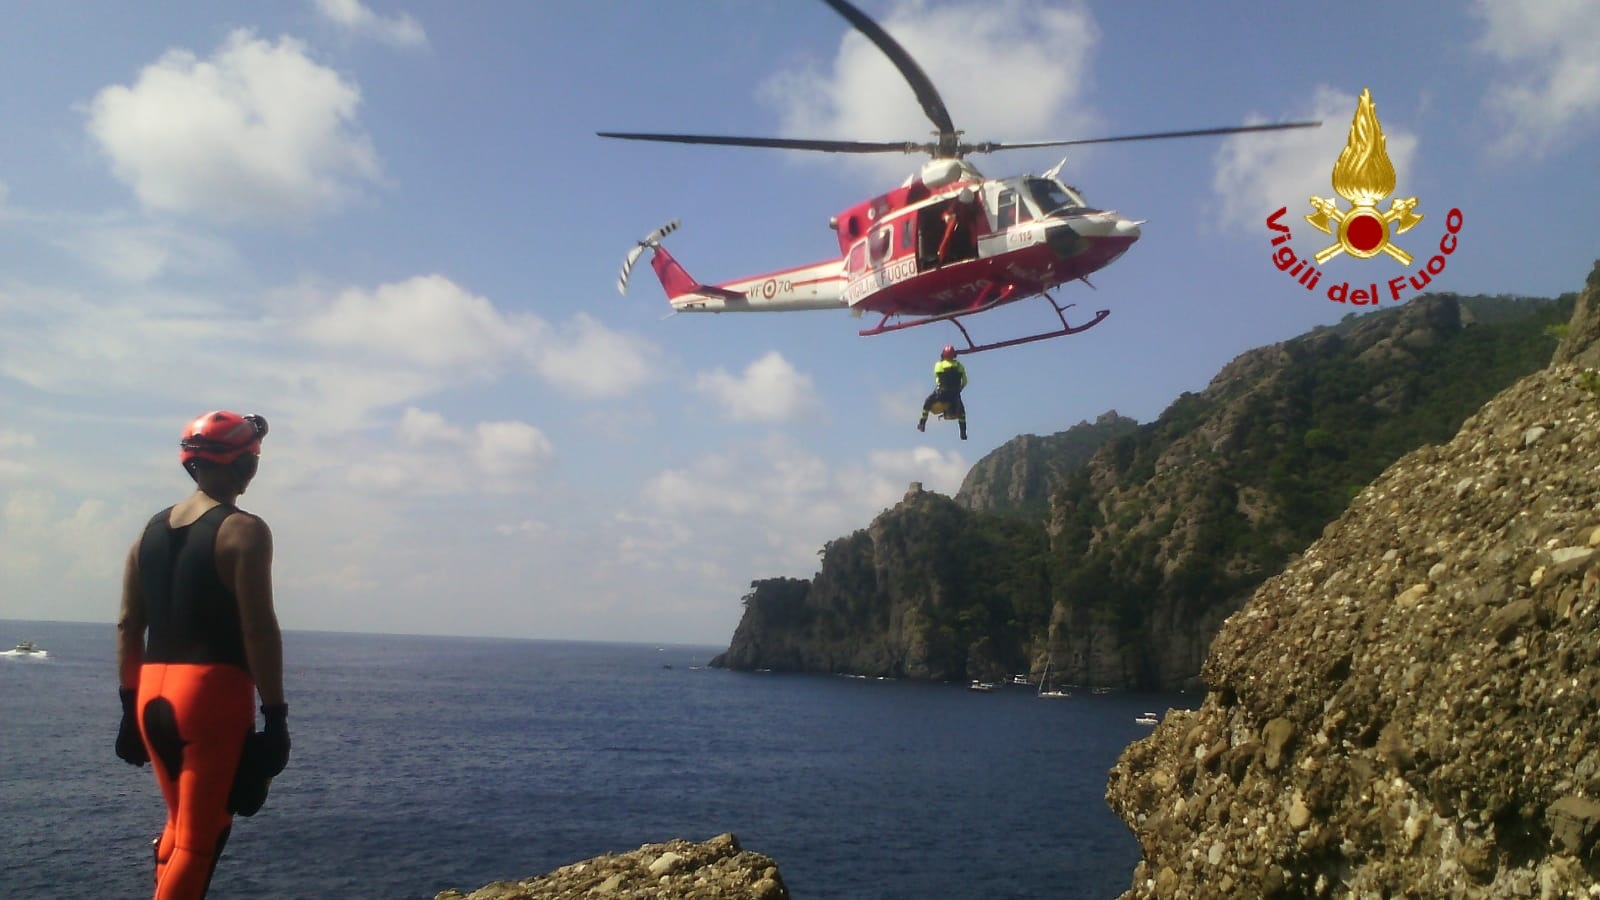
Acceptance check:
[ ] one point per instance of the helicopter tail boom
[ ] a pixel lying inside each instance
(674, 279)
(817, 286)
(677, 282)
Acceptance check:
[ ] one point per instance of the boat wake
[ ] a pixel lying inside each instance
(26, 654)
(27, 650)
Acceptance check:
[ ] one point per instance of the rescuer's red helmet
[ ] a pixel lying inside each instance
(949, 352)
(221, 437)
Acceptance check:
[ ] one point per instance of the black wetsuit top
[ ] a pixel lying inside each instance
(193, 618)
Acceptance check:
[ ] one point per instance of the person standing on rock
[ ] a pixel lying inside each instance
(197, 641)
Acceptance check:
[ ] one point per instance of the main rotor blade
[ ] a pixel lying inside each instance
(992, 146)
(921, 84)
(775, 143)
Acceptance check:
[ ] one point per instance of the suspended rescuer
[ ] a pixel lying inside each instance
(197, 641)
(950, 377)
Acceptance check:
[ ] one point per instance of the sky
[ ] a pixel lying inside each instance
(389, 228)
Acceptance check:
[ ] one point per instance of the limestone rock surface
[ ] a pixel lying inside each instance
(1412, 706)
(718, 869)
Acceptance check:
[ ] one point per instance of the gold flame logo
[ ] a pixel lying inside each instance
(1364, 176)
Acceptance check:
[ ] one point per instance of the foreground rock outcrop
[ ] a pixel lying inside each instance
(1412, 707)
(676, 870)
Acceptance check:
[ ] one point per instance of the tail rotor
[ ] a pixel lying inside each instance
(652, 240)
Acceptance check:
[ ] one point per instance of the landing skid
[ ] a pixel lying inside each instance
(985, 303)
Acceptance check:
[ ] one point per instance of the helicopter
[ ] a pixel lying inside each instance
(947, 244)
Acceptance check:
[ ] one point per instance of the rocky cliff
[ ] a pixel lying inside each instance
(718, 869)
(1018, 477)
(1581, 345)
(1167, 531)
(1152, 534)
(928, 590)
(1410, 707)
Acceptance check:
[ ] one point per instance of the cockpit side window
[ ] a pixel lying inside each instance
(1054, 197)
(1013, 209)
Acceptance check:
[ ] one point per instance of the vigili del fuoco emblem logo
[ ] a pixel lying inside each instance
(1363, 176)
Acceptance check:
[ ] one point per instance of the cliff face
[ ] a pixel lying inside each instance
(1165, 532)
(929, 590)
(1581, 346)
(1152, 534)
(1018, 477)
(1410, 707)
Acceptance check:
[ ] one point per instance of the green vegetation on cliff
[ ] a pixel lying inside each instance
(1150, 540)
(1301, 439)
(930, 590)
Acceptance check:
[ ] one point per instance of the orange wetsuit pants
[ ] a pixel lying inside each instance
(194, 718)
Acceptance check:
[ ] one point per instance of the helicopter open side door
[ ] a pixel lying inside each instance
(948, 230)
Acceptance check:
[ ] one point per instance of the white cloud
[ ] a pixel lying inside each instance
(127, 255)
(432, 456)
(428, 320)
(397, 31)
(333, 361)
(510, 448)
(526, 528)
(13, 470)
(1258, 173)
(418, 427)
(258, 132)
(143, 253)
(902, 405)
(592, 360)
(433, 322)
(768, 507)
(1010, 70)
(769, 390)
(937, 470)
(1550, 87)
(71, 545)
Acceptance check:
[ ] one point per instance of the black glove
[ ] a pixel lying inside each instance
(274, 739)
(264, 756)
(130, 744)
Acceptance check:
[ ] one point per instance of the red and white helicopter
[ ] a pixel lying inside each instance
(945, 244)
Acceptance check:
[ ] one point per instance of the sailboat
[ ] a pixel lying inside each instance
(1044, 682)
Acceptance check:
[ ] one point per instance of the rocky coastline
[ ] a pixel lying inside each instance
(1412, 707)
(1112, 552)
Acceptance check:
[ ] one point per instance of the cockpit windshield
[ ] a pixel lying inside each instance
(1053, 197)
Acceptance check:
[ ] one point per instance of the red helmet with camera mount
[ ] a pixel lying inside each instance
(221, 437)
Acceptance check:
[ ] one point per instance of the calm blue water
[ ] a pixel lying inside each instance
(429, 763)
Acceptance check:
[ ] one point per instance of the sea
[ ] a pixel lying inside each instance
(426, 763)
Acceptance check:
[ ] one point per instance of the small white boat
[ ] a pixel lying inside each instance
(28, 648)
(981, 686)
(1148, 718)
